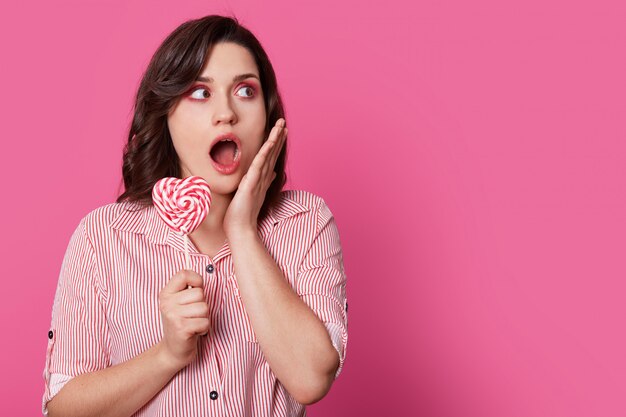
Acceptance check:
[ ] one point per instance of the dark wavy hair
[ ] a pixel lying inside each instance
(149, 154)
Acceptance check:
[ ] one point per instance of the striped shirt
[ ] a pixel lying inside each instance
(106, 308)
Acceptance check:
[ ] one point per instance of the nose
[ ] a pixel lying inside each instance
(223, 110)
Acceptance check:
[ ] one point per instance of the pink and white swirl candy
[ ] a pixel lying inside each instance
(182, 204)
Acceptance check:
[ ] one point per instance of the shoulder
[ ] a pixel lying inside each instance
(304, 198)
(302, 205)
(103, 218)
(296, 204)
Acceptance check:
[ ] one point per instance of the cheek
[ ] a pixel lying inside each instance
(184, 146)
(184, 133)
(176, 134)
(183, 122)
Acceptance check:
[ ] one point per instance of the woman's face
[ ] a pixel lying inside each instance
(220, 103)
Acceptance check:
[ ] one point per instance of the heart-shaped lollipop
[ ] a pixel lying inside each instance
(182, 204)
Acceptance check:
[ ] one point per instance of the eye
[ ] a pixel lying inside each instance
(252, 91)
(203, 95)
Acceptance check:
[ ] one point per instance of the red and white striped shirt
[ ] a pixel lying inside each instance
(106, 308)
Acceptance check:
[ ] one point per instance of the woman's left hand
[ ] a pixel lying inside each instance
(244, 209)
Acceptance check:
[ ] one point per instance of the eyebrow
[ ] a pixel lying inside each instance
(239, 77)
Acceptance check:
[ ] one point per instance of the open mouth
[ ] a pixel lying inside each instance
(225, 153)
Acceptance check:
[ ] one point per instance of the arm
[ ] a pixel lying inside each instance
(293, 327)
(122, 389)
(107, 392)
(294, 341)
(79, 339)
(302, 333)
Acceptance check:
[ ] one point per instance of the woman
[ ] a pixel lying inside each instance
(258, 326)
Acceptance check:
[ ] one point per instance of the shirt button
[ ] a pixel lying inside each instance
(210, 268)
(50, 334)
(213, 395)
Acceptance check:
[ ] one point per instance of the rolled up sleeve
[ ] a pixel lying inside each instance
(321, 281)
(78, 335)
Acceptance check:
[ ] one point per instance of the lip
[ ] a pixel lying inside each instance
(230, 168)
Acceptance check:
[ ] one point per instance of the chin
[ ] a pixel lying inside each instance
(227, 185)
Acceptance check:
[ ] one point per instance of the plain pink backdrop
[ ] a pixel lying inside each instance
(472, 153)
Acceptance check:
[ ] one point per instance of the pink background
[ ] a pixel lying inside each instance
(472, 153)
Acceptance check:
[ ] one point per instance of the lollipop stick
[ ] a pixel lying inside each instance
(187, 260)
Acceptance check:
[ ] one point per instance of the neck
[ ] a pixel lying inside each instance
(213, 224)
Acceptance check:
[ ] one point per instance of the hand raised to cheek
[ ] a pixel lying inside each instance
(246, 204)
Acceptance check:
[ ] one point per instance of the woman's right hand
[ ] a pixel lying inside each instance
(185, 316)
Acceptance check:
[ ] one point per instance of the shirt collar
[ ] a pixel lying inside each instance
(144, 220)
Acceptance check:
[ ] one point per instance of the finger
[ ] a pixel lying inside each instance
(276, 149)
(259, 164)
(194, 310)
(192, 295)
(277, 131)
(252, 175)
(261, 157)
(270, 165)
(180, 281)
(193, 279)
(275, 143)
(198, 325)
(273, 139)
